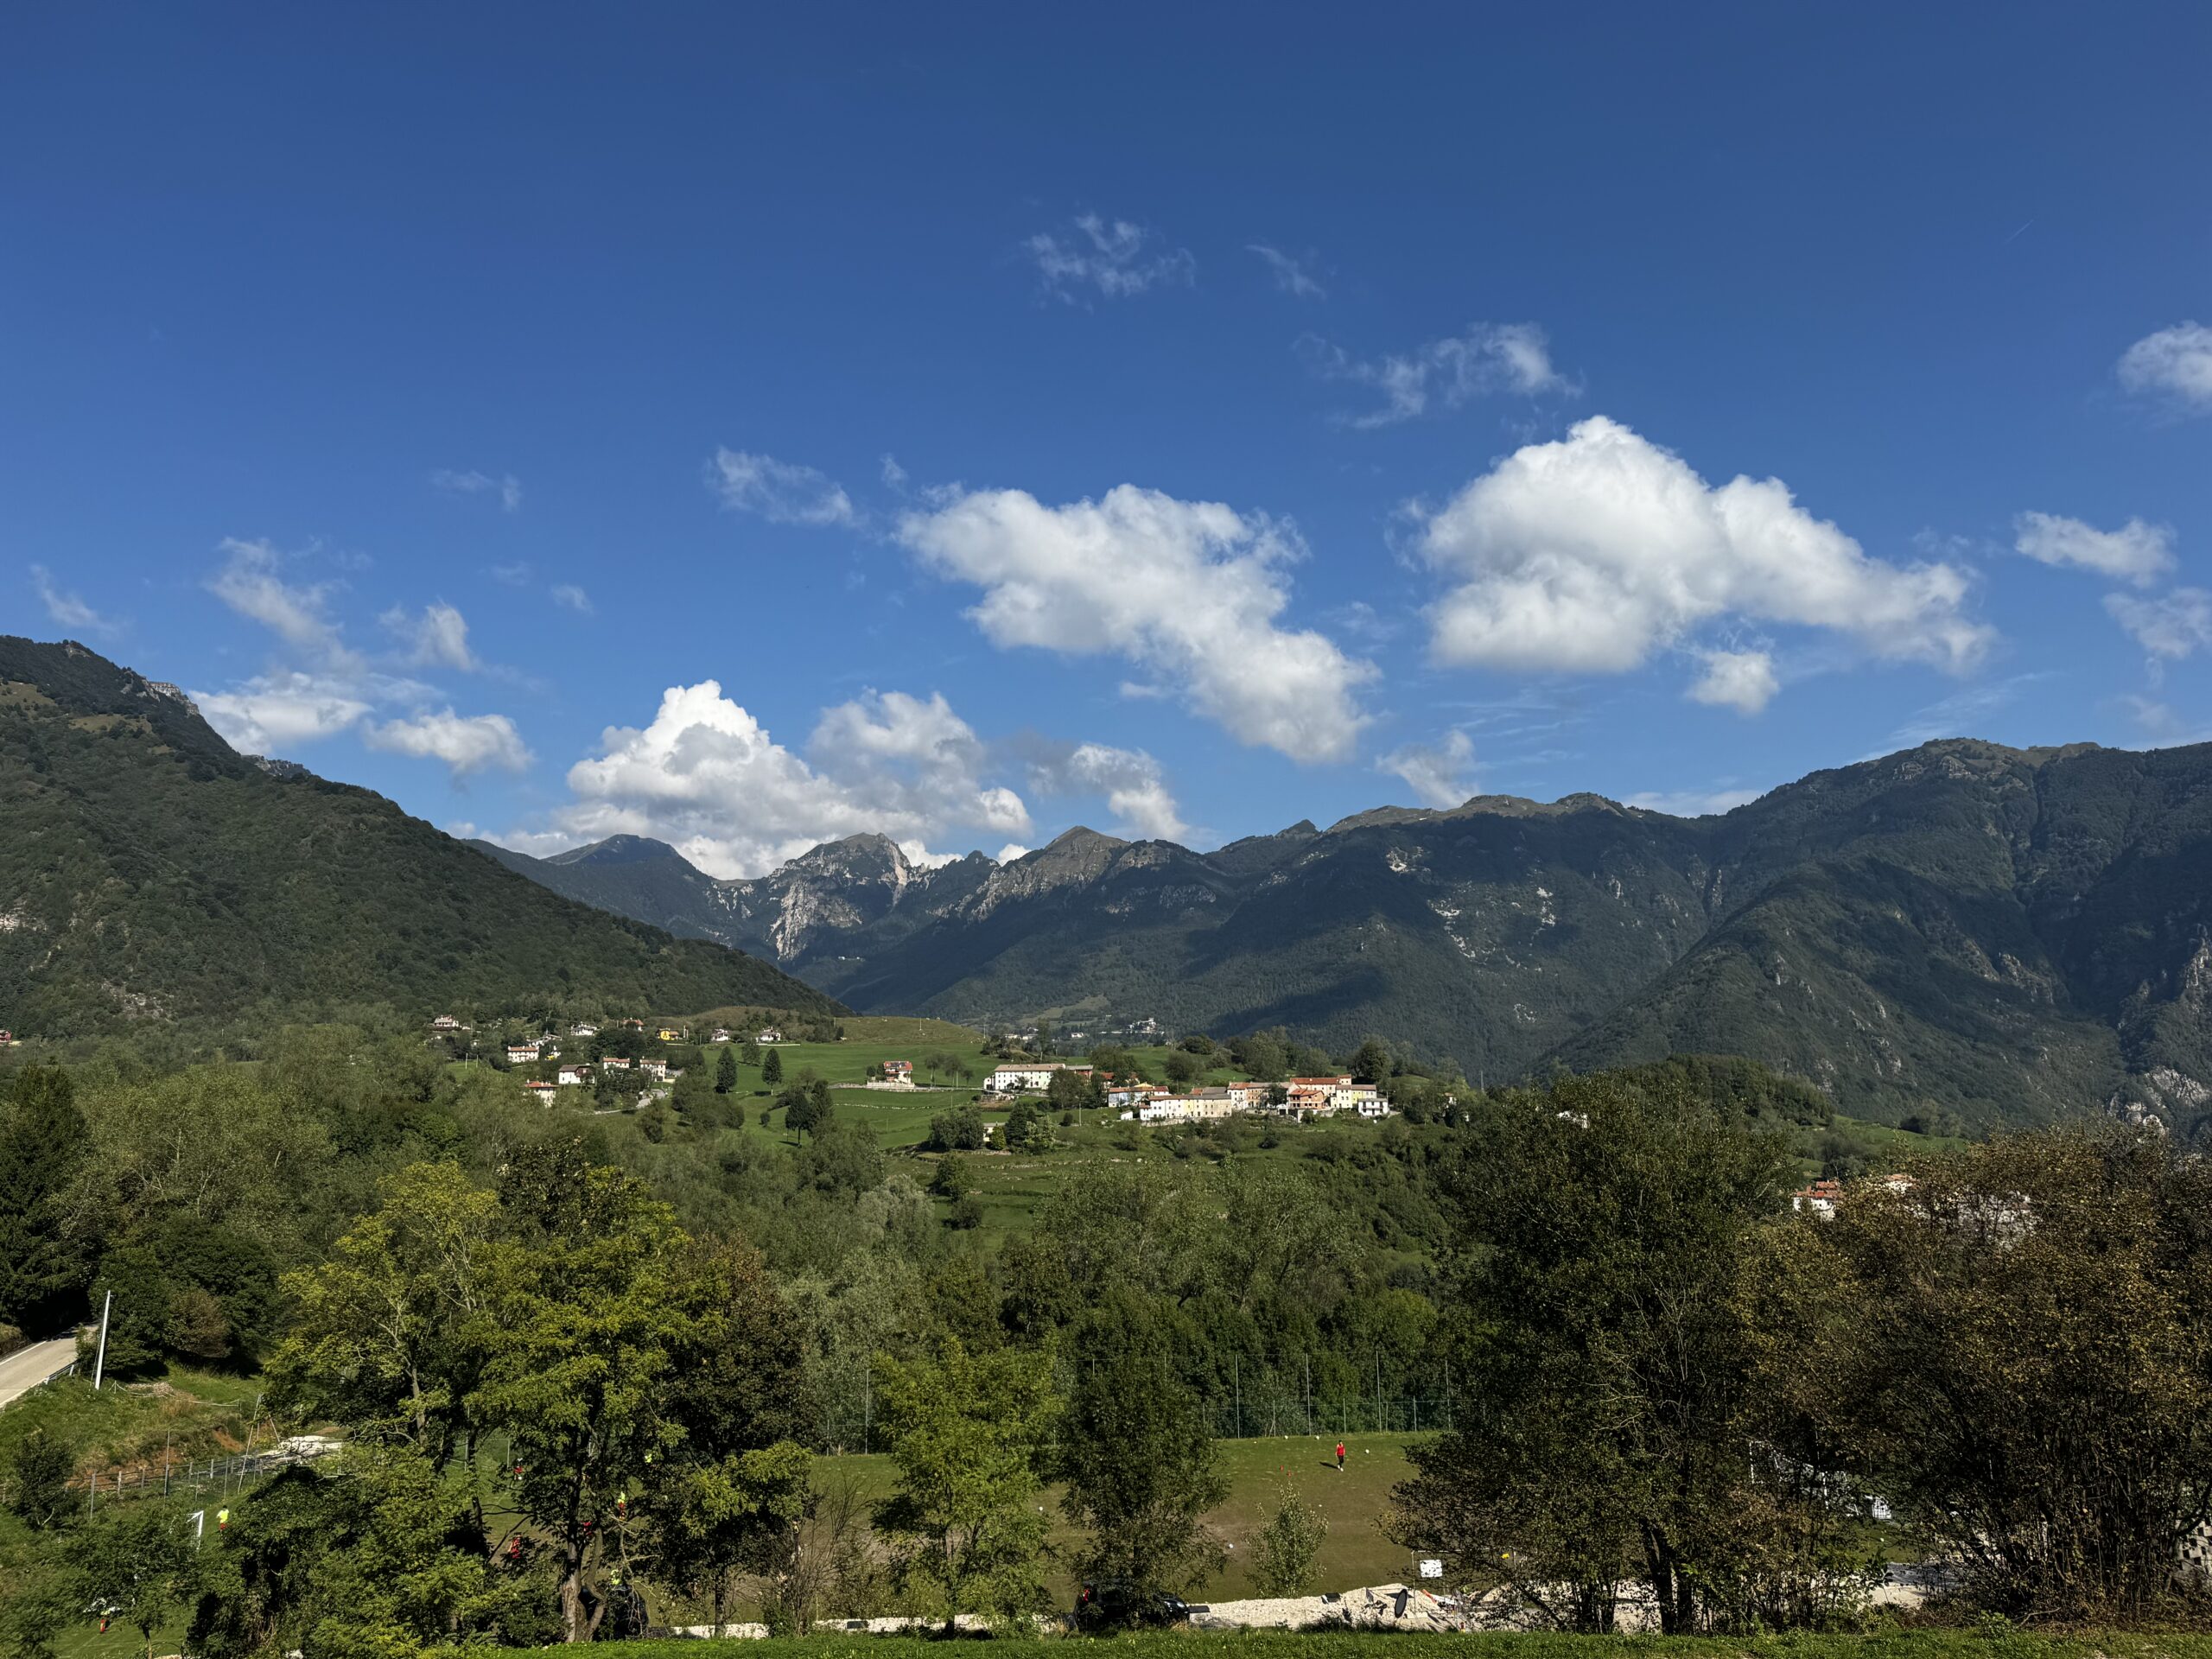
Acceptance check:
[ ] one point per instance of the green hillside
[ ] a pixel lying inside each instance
(149, 873)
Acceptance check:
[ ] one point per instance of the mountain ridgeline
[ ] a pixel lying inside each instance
(149, 873)
(2003, 935)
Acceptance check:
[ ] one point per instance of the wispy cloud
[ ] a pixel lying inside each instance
(1293, 273)
(1693, 803)
(570, 597)
(2172, 624)
(1961, 714)
(1440, 775)
(69, 609)
(507, 487)
(782, 491)
(436, 636)
(2136, 552)
(1486, 359)
(251, 583)
(1116, 259)
(2161, 725)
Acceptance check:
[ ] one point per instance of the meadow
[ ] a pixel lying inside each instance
(1260, 1472)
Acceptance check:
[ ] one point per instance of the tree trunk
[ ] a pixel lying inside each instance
(575, 1626)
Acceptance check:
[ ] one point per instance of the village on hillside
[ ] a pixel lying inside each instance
(588, 1056)
(1149, 1102)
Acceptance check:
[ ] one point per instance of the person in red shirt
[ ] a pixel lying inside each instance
(1340, 1457)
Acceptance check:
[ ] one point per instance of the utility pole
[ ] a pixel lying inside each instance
(99, 1365)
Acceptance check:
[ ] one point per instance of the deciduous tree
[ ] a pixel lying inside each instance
(969, 1435)
(1137, 1454)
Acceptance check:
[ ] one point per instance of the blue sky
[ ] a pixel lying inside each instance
(751, 425)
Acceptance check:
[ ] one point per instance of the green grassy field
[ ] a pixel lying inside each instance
(1259, 1471)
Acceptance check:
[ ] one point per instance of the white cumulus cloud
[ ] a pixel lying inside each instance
(273, 712)
(1136, 790)
(705, 776)
(2174, 363)
(1440, 775)
(2171, 626)
(1115, 258)
(2136, 552)
(1189, 590)
(467, 743)
(1487, 358)
(1588, 554)
(782, 491)
(1742, 680)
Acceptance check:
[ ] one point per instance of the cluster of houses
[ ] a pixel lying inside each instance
(1149, 1102)
(446, 1026)
(1820, 1199)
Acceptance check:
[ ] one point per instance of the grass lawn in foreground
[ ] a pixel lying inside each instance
(1356, 1554)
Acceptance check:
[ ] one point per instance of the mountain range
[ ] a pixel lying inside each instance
(2001, 935)
(149, 873)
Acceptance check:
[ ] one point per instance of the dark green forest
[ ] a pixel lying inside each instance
(150, 875)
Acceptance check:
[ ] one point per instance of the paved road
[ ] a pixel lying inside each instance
(26, 1368)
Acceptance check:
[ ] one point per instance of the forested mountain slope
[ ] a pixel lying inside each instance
(149, 872)
(2007, 934)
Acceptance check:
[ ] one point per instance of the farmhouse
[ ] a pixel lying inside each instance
(770, 1035)
(583, 1028)
(445, 1022)
(539, 1091)
(654, 1068)
(575, 1074)
(669, 1034)
(898, 1070)
(1319, 1096)
(1030, 1077)
(721, 1034)
(521, 1053)
(1818, 1199)
(615, 1062)
(1190, 1107)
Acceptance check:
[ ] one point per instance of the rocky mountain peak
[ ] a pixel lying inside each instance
(867, 860)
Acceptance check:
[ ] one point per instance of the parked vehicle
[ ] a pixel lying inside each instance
(1115, 1604)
